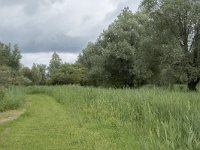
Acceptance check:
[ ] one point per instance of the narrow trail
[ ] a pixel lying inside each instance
(45, 125)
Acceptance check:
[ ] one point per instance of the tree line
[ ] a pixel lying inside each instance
(57, 73)
(159, 44)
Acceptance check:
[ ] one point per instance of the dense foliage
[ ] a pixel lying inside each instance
(69, 74)
(159, 44)
(115, 58)
(176, 28)
(10, 67)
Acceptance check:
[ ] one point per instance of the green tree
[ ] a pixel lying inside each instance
(36, 74)
(119, 63)
(115, 56)
(10, 65)
(92, 58)
(55, 63)
(179, 21)
(42, 70)
(26, 72)
(5, 53)
(14, 61)
(69, 74)
(10, 56)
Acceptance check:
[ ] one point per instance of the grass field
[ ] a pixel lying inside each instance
(73, 117)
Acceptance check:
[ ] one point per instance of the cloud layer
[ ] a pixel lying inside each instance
(57, 25)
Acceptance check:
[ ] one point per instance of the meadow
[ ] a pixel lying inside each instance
(77, 117)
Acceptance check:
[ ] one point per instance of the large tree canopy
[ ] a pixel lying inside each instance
(114, 58)
(178, 23)
(160, 44)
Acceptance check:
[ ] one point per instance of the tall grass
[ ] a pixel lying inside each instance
(11, 98)
(151, 118)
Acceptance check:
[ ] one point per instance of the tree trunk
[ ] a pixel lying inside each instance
(192, 86)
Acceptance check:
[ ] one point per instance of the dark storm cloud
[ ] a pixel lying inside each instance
(61, 25)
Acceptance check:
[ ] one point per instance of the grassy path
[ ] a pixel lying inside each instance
(44, 126)
(47, 125)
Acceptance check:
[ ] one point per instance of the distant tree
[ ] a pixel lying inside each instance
(10, 56)
(6, 78)
(26, 72)
(55, 63)
(43, 69)
(5, 53)
(69, 74)
(14, 61)
(36, 74)
(10, 66)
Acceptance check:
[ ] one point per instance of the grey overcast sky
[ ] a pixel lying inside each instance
(66, 26)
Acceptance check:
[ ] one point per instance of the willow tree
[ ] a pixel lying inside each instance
(181, 20)
(115, 59)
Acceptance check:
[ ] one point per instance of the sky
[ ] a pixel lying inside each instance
(41, 27)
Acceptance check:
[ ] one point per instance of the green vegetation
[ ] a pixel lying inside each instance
(69, 74)
(146, 51)
(10, 66)
(159, 45)
(45, 125)
(11, 98)
(95, 118)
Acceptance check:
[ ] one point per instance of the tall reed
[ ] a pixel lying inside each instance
(11, 98)
(156, 118)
